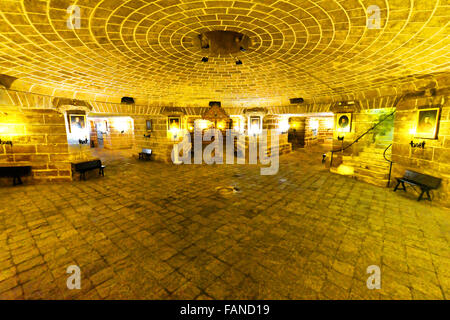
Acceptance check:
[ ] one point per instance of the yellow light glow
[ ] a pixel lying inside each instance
(174, 130)
(314, 124)
(202, 124)
(121, 124)
(221, 125)
(345, 170)
(283, 125)
(329, 123)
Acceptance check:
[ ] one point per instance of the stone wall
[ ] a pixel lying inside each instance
(434, 159)
(120, 134)
(362, 120)
(158, 141)
(318, 131)
(39, 139)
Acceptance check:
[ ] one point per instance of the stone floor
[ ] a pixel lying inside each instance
(150, 230)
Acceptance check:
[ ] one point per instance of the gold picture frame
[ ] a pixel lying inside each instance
(343, 122)
(77, 121)
(427, 123)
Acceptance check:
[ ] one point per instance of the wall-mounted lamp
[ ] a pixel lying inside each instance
(417, 145)
(147, 135)
(341, 138)
(205, 59)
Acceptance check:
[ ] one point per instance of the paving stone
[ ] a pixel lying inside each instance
(132, 244)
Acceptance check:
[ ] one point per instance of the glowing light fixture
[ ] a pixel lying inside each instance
(314, 124)
(283, 125)
(202, 124)
(121, 125)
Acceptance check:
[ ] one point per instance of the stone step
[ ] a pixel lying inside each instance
(375, 166)
(371, 180)
(360, 175)
(368, 159)
(379, 161)
(371, 173)
(375, 150)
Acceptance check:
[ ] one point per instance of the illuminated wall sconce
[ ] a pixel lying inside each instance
(221, 125)
(417, 145)
(283, 125)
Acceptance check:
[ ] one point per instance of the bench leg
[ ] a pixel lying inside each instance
(101, 172)
(17, 181)
(428, 194)
(396, 187)
(421, 195)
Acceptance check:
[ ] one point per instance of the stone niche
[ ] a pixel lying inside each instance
(39, 140)
(434, 159)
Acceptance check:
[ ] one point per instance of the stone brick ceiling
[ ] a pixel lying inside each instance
(146, 49)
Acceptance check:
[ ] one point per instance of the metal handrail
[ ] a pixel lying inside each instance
(390, 165)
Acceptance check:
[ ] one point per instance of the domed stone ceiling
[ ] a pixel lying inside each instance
(150, 49)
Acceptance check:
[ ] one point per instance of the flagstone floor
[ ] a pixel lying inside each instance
(151, 230)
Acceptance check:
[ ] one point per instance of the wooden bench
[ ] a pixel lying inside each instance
(83, 167)
(15, 172)
(146, 154)
(424, 181)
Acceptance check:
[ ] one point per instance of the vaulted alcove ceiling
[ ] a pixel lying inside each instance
(149, 49)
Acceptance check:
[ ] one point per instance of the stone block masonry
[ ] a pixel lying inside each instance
(38, 139)
(434, 158)
(155, 139)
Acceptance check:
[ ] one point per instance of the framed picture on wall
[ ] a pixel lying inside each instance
(427, 123)
(343, 122)
(173, 123)
(255, 125)
(77, 122)
(148, 125)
